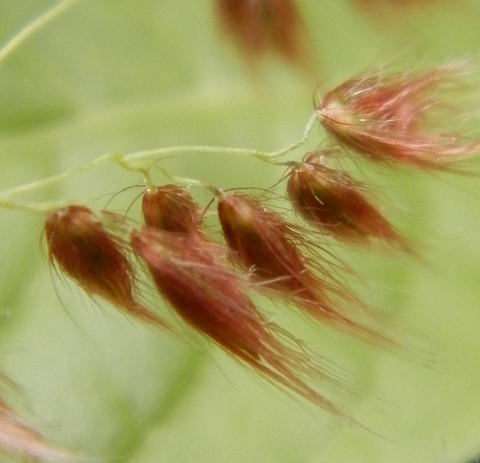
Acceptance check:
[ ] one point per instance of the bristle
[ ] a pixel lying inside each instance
(94, 258)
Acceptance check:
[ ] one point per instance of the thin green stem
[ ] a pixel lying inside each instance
(54, 179)
(142, 162)
(135, 159)
(31, 28)
(306, 135)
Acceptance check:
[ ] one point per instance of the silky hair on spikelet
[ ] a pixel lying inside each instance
(333, 202)
(194, 279)
(403, 119)
(270, 248)
(171, 208)
(80, 244)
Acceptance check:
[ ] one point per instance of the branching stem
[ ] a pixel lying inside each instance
(142, 162)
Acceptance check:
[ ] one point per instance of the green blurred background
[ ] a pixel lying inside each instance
(109, 76)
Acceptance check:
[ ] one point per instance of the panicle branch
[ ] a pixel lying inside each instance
(33, 27)
(142, 162)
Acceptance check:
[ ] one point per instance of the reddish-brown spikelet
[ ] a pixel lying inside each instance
(82, 248)
(395, 119)
(20, 439)
(260, 26)
(265, 244)
(334, 203)
(171, 208)
(211, 298)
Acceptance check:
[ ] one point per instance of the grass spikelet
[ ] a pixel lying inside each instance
(399, 119)
(94, 258)
(333, 202)
(259, 27)
(267, 245)
(171, 208)
(210, 297)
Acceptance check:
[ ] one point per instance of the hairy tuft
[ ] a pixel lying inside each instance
(398, 119)
(211, 298)
(171, 208)
(80, 245)
(333, 202)
(269, 247)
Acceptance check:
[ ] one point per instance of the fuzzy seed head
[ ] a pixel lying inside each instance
(81, 246)
(94, 258)
(394, 119)
(268, 246)
(260, 26)
(171, 208)
(261, 241)
(334, 203)
(211, 298)
(265, 244)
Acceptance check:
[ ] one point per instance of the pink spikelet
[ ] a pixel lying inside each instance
(397, 119)
(211, 298)
(95, 259)
(336, 204)
(20, 439)
(171, 208)
(259, 27)
(265, 244)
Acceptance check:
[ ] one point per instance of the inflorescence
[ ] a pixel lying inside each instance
(391, 120)
(208, 282)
